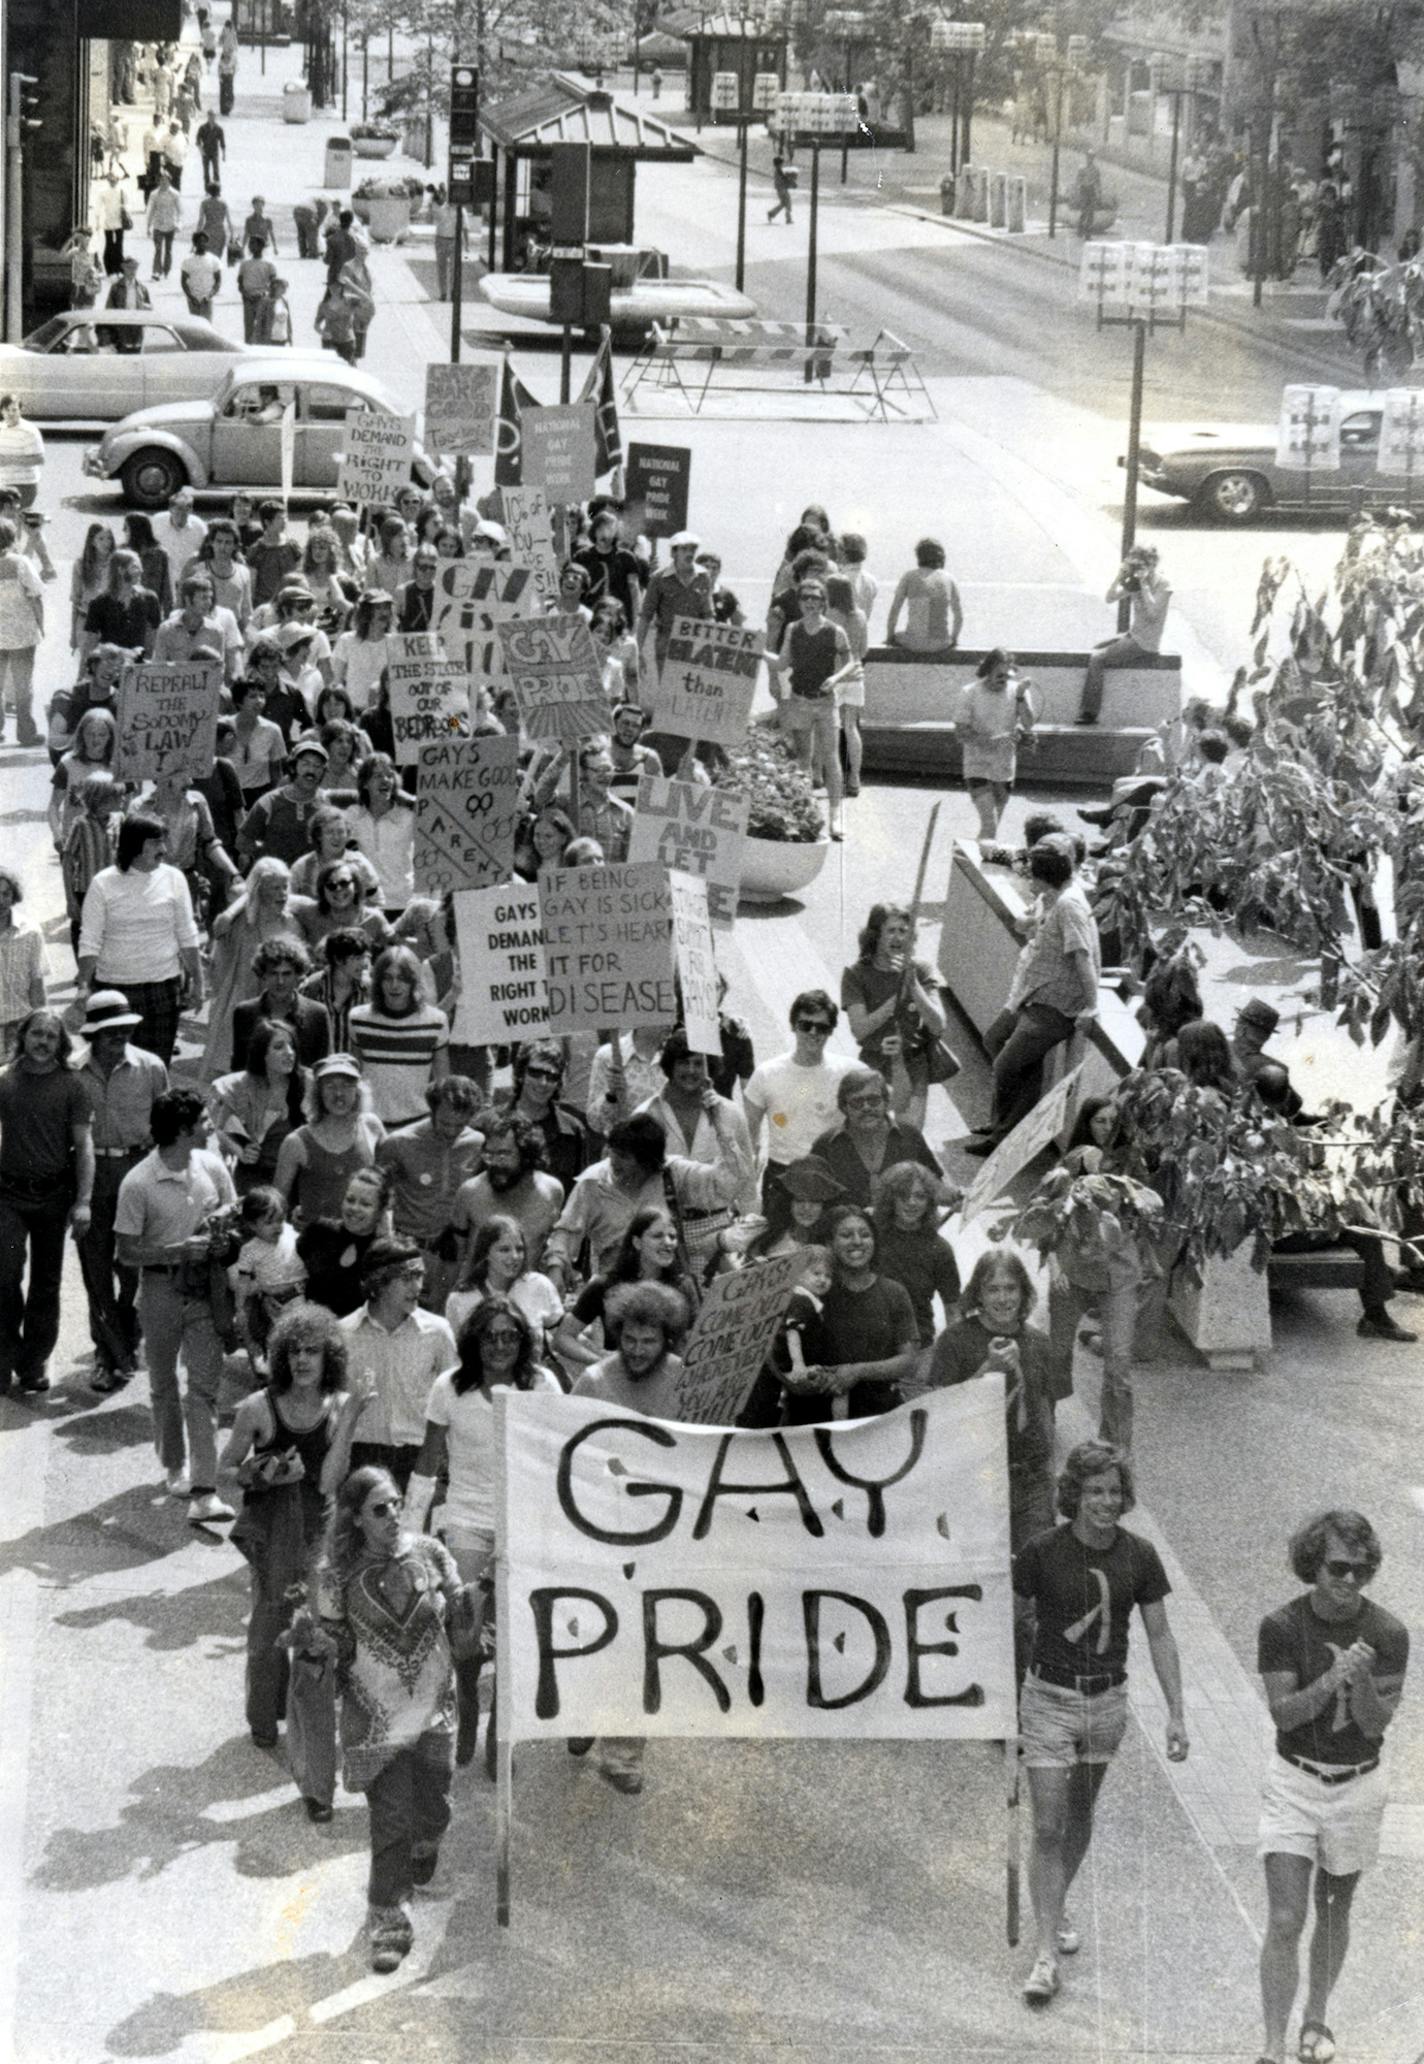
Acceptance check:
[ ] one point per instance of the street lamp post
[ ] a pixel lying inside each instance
(959, 40)
(813, 116)
(731, 99)
(1178, 90)
(849, 26)
(1146, 286)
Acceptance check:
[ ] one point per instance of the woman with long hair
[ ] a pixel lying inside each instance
(391, 567)
(92, 752)
(334, 595)
(346, 746)
(497, 1347)
(125, 613)
(388, 1595)
(96, 688)
(290, 1447)
(401, 1041)
(138, 934)
(157, 567)
(338, 1138)
(1092, 1137)
(1204, 1057)
(333, 705)
(383, 828)
(893, 1008)
(338, 904)
(24, 965)
(262, 911)
(89, 577)
(870, 1339)
(254, 1109)
(358, 658)
(542, 841)
(333, 1250)
(796, 1205)
(647, 1253)
(913, 1251)
(498, 1266)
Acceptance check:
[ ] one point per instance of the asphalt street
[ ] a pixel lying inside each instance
(161, 1893)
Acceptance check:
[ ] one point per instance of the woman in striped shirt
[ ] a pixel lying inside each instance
(402, 1043)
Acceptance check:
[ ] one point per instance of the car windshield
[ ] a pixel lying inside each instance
(47, 334)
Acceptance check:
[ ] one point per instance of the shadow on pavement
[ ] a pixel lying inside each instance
(215, 1611)
(250, 2000)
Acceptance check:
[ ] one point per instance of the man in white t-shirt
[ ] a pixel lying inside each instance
(794, 1096)
(180, 532)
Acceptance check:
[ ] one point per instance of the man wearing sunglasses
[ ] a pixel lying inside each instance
(1332, 1663)
(794, 1095)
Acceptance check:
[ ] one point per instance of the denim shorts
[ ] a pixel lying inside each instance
(1060, 1728)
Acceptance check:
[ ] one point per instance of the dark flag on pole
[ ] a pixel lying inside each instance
(514, 399)
(598, 388)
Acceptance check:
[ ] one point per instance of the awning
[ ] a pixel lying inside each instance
(560, 110)
(688, 24)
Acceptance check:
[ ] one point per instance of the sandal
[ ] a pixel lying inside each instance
(1315, 2044)
(1042, 1982)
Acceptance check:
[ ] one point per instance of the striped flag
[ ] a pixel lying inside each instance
(599, 388)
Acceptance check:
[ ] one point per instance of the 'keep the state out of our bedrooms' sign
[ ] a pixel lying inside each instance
(168, 714)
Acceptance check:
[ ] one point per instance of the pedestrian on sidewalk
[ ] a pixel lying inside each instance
(260, 224)
(445, 216)
(200, 276)
(165, 213)
(154, 138)
(209, 35)
(122, 1082)
(22, 627)
(783, 177)
(215, 221)
(175, 153)
(46, 1186)
(227, 67)
(169, 1225)
(308, 217)
(342, 244)
(211, 140)
(1082, 1581)
(1148, 593)
(254, 283)
(274, 318)
(85, 274)
(1088, 194)
(355, 284)
(1332, 1664)
(111, 219)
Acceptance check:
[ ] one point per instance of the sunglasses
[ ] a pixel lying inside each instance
(813, 1025)
(387, 1510)
(543, 1074)
(1338, 1567)
(872, 1100)
(503, 1338)
(341, 881)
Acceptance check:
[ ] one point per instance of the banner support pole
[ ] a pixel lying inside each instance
(1011, 1838)
(504, 1774)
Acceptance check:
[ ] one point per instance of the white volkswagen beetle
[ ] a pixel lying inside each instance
(234, 440)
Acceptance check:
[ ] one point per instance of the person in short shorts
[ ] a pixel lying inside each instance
(815, 658)
(1083, 1580)
(1332, 1663)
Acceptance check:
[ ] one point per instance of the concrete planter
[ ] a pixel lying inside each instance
(374, 146)
(1227, 1315)
(387, 217)
(775, 868)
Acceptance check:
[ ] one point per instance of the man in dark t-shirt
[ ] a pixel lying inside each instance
(1083, 1580)
(1333, 1664)
(46, 1186)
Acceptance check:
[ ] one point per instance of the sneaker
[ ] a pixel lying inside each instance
(33, 1385)
(106, 1381)
(319, 1811)
(176, 1483)
(1373, 1326)
(1042, 1982)
(205, 1507)
(1068, 1939)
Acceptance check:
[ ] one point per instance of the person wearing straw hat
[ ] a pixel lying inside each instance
(122, 1080)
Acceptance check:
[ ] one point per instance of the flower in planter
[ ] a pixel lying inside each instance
(380, 132)
(781, 802)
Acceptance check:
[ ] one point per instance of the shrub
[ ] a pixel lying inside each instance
(782, 804)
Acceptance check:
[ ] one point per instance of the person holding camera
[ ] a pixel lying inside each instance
(1148, 593)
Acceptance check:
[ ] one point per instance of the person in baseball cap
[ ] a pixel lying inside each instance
(338, 1064)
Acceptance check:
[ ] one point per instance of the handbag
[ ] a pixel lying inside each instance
(464, 1620)
(944, 1062)
(125, 219)
(234, 254)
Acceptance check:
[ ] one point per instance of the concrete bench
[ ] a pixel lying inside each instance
(1333, 1268)
(908, 726)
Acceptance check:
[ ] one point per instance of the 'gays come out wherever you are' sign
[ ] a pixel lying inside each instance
(552, 666)
(731, 1338)
(430, 692)
(498, 930)
(466, 810)
(849, 1580)
(708, 680)
(700, 831)
(377, 460)
(168, 713)
(695, 955)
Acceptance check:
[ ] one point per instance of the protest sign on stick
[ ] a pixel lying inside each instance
(608, 947)
(1027, 1140)
(462, 406)
(529, 521)
(558, 451)
(552, 665)
(167, 720)
(501, 947)
(731, 1338)
(707, 681)
(657, 484)
(466, 810)
(430, 693)
(471, 601)
(377, 460)
(696, 958)
(702, 831)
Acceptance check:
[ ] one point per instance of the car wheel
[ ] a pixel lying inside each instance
(1234, 497)
(152, 478)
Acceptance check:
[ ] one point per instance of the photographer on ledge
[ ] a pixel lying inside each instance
(1149, 595)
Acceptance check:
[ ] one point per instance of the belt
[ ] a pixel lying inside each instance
(1330, 1773)
(115, 1153)
(161, 1268)
(695, 1217)
(1094, 1680)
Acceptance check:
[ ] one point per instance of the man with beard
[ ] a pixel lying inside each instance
(644, 1321)
(512, 1184)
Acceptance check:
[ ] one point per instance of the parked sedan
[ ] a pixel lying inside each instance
(234, 440)
(1230, 472)
(95, 365)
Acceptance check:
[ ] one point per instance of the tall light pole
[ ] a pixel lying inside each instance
(732, 101)
(1177, 89)
(959, 40)
(1145, 287)
(811, 117)
(1062, 66)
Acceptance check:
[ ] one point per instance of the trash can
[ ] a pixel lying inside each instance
(946, 194)
(296, 102)
(338, 161)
